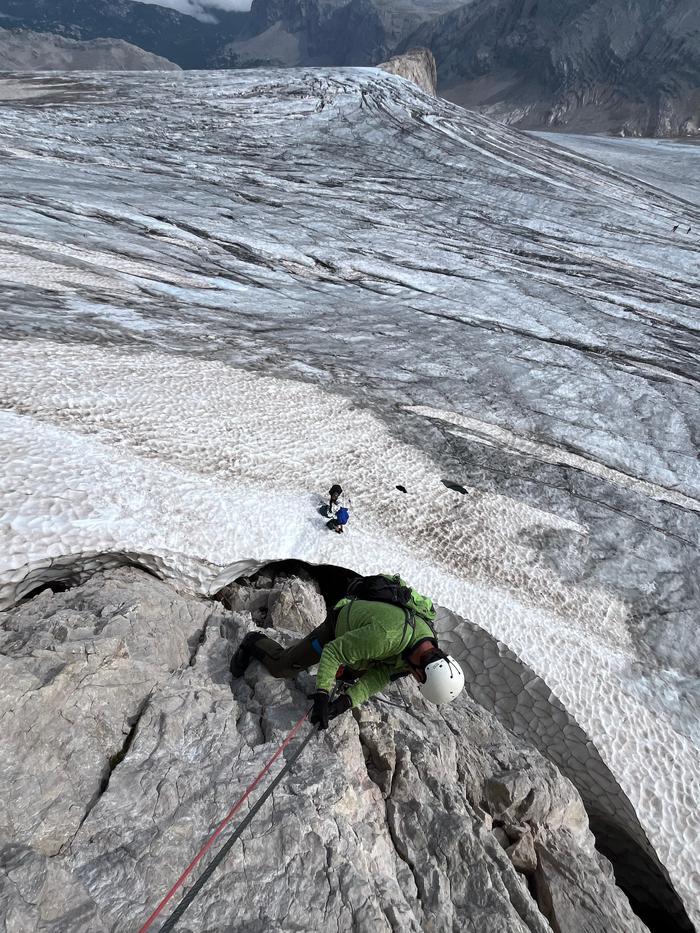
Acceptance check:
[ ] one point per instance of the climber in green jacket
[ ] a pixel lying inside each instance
(368, 642)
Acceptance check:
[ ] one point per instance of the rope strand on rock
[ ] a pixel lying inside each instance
(221, 854)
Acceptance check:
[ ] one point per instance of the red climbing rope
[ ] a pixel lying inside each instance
(231, 813)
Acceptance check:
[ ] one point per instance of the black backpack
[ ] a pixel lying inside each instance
(382, 588)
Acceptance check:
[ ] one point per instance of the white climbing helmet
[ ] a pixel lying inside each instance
(444, 680)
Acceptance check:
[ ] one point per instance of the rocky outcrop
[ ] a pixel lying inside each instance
(22, 50)
(125, 742)
(585, 65)
(280, 600)
(523, 703)
(417, 65)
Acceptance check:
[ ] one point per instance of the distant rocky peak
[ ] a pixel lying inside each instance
(417, 65)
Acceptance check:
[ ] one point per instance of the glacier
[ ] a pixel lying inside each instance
(223, 292)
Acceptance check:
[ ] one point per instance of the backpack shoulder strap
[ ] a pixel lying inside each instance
(409, 621)
(430, 625)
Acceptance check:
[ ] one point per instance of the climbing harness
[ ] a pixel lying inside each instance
(221, 854)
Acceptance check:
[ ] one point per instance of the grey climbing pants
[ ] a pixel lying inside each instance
(303, 654)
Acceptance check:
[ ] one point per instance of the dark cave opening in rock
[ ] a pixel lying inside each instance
(332, 580)
(66, 573)
(55, 586)
(650, 894)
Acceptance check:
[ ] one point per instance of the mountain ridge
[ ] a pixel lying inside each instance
(24, 50)
(587, 64)
(159, 30)
(272, 33)
(155, 740)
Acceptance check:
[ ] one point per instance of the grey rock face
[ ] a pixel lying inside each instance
(524, 704)
(385, 823)
(22, 50)
(523, 855)
(42, 894)
(589, 65)
(290, 601)
(245, 599)
(310, 32)
(296, 604)
(418, 65)
(76, 673)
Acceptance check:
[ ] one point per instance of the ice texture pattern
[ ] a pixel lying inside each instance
(225, 291)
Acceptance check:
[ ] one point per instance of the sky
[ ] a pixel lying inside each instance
(202, 9)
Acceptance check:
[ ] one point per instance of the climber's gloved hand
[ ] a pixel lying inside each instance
(346, 675)
(339, 706)
(320, 713)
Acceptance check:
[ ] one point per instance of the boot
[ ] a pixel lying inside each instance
(244, 654)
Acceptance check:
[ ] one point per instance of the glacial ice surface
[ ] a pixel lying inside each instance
(670, 164)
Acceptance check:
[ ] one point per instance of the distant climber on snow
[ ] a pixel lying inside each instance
(381, 631)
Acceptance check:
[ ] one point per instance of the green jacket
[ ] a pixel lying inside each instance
(369, 638)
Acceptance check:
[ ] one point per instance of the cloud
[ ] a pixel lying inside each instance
(204, 10)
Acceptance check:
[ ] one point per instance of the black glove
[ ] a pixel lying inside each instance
(320, 713)
(339, 706)
(346, 675)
